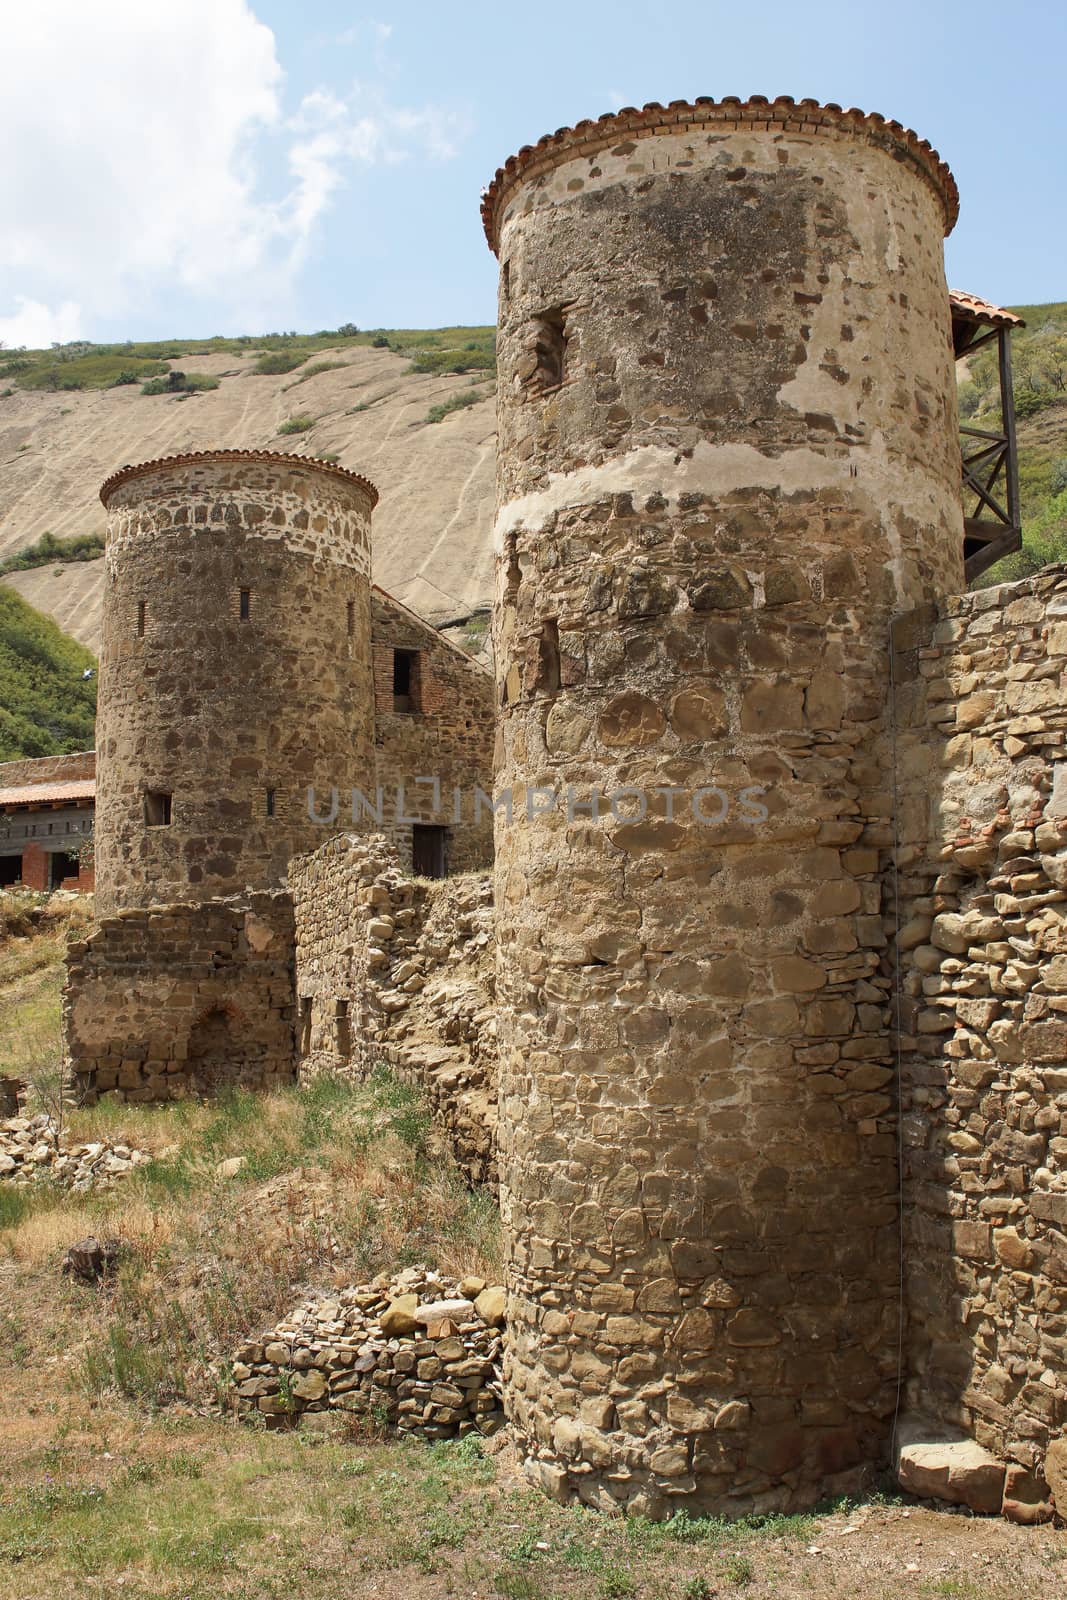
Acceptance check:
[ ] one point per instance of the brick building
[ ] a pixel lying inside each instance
(46, 822)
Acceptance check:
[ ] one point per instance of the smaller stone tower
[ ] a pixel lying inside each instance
(235, 669)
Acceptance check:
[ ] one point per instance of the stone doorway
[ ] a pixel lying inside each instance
(214, 1053)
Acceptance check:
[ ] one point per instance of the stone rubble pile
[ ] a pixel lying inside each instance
(33, 1149)
(417, 1351)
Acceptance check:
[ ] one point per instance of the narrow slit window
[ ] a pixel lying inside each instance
(305, 1024)
(245, 604)
(350, 618)
(157, 809)
(405, 680)
(140, 619)
(344, 1030)
(269, 802)
(505, 280)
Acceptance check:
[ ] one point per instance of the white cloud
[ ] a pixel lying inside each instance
(36, 326)
(153, 156)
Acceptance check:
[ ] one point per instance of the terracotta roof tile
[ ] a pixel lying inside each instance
(31, 794)
(969, 305)
(804, 116)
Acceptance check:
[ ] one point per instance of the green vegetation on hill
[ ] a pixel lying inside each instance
(49, 551)
(1039, 370)
(47, 707)
(81, 365)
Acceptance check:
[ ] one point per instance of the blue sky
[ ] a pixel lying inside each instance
(235, 166)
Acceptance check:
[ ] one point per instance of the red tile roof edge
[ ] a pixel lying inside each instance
(983, 310)
(42, 793)
(591, 135)
(279, 457)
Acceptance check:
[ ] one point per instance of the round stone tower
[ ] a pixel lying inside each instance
(727, 457)
(235, 670)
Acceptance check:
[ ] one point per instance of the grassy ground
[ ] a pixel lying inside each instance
(119, 1474)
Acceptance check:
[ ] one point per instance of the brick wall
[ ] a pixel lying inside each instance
(182, 999)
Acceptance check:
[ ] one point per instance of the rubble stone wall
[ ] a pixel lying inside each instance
(182, 999)
(394, 971)
(446, 735)
(727, 456)
(982, 761)
(234, 669)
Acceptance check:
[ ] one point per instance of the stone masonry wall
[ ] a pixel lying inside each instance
(981, 695)
(727, 457)
(447, 735)
(182, 999)
(390, 970)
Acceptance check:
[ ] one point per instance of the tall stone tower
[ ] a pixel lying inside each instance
(235, 669)
(727, 456)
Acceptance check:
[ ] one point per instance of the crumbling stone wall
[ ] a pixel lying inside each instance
(182, 999)
(234, 668)
(727, 456)
(982, 761)
(394, 971)
(444, 734)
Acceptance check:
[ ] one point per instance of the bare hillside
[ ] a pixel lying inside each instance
(431, 527)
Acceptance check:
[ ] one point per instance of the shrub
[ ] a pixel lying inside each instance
(46, 549)
(455, 402)
(180, 383)
(302, 424)
(124, 377)
(276, 362)
(379, 342)
(319, 366)
(348, 330)
(443, 361)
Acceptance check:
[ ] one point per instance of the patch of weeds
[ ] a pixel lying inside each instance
(697, 1589)
(618, 1584)
(180, 383)
(517, 1586)
(300, 424)
(25, 1547)
(15, 1205)
(739, 1570)
(329, 455)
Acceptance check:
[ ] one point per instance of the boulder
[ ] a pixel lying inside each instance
(429, 1316)
(1026, 1497)
(399, 1318)
(491, 1306)
(1056, 1474)
(959, 1471)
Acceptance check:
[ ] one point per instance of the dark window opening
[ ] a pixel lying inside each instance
(270, 802)
(140, 619)
(505, 280)
(351, 618)
(427, 851)
(548, 680)
(157, 809)
(10, 869)
(543, 362)
(405, 680)
(61, 865)
(305, 1024)
(344, 1028)
(246, 604)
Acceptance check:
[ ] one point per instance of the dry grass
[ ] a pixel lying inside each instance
(117, 1475)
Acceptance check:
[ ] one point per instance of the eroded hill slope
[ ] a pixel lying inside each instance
(432, 525)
